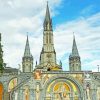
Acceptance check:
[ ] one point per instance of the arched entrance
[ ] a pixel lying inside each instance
(1, 91)
(62, 88)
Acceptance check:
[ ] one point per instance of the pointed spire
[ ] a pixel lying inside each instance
(47, 17)
(74, 48)
(27, 52)
(47, 20)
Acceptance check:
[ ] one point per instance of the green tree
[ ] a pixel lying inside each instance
(1, 56)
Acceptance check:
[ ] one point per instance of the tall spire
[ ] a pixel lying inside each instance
(74, 47)
(48, 54)
(27, 52)
(47, 21)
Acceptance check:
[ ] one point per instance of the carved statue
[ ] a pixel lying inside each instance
(88, 92)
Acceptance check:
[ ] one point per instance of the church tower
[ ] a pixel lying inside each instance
(27, 60)
(74, 58)
(48, 54)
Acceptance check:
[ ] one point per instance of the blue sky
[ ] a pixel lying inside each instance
(17, 17)
(72, 9)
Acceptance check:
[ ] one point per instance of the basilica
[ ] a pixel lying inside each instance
(48, 81)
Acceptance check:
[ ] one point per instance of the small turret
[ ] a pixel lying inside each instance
(74, 58)
(27, 60)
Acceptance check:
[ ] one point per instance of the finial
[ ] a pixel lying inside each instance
(27, 34)
(98, 68)
(47, 2)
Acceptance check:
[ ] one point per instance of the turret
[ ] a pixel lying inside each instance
(74, 58)
(27, 60)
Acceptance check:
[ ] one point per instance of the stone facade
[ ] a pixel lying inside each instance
(48, 81)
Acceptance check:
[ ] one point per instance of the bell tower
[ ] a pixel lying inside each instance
(27, 60)
(48, 54)
(74, 58)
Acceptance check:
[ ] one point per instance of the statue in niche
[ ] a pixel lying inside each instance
(26, 94)
(88, 92)
(87, 76)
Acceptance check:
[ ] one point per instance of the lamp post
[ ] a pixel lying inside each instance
(98, 67)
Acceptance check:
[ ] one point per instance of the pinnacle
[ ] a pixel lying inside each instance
(27, 49)
(74, 48)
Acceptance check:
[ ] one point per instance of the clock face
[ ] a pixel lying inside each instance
(48, 55)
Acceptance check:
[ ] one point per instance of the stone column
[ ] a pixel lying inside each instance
(32, 94)
(94, 94)
(41, 94)
(85, 95)
(81, 98)
(52, 96)
(71, 96)
(21, 94)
